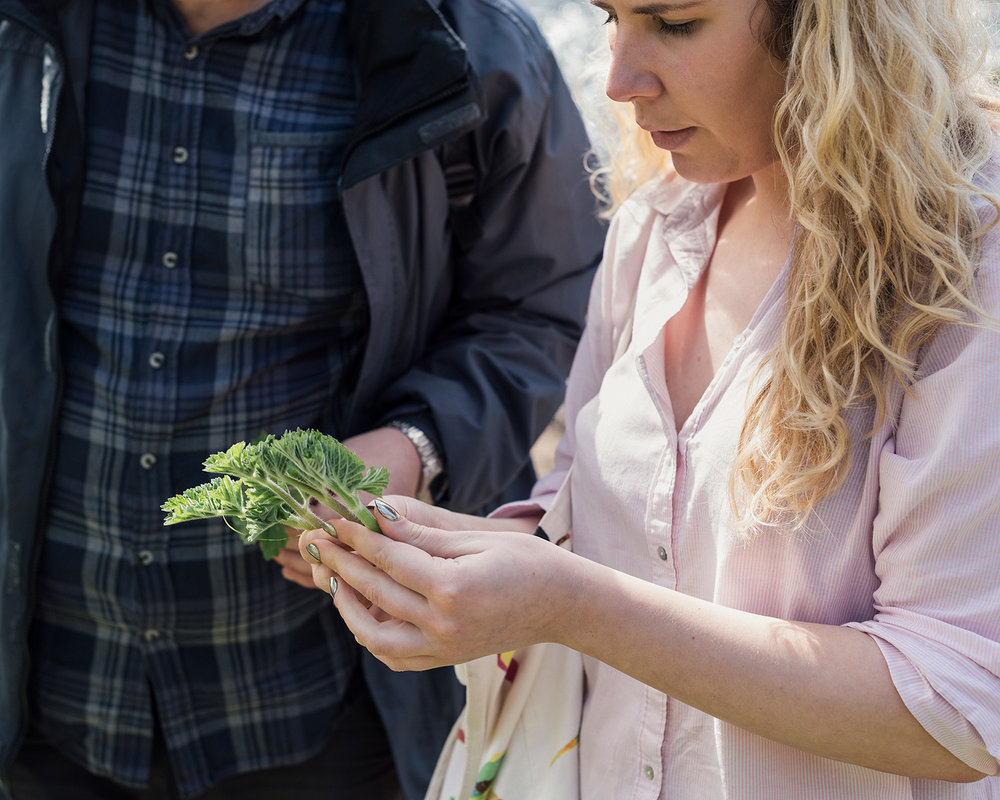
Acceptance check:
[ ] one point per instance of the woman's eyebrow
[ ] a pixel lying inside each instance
(655, 9)
(661, 8)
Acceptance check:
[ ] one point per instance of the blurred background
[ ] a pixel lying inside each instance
(573, 28)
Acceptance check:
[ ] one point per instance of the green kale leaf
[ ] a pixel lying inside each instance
(265, 487)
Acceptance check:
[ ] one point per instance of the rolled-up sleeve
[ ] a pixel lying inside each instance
(937, 538)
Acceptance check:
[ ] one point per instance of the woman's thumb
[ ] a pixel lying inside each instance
(423, 532)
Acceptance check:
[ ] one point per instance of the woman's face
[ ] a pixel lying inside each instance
(701, 82)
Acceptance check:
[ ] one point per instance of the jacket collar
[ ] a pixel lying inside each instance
(40, 16)
(416, 86)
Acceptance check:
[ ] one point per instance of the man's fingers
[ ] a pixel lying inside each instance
(323, 511)
(293, 567)
(304, 579)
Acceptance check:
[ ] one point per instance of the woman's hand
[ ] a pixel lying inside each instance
(420, 596)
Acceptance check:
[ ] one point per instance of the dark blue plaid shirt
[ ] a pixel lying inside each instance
(213, 295)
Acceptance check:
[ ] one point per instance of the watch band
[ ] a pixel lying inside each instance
(431, 465)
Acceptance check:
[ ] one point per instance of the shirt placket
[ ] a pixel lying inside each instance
(166, 303)
(659, 523)
(647, 780)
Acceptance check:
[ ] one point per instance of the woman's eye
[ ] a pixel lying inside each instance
(676, 28)
(663, 27)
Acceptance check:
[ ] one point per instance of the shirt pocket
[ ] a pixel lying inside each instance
(296, 238)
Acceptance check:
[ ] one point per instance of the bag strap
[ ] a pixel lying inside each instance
(462, 178)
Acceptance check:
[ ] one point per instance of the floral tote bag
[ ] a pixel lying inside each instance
(518, 736)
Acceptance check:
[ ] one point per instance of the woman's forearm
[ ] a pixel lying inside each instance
(825, 689)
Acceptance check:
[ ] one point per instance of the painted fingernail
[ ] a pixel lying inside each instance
(386, 510)
(333, 587)
(313, 550)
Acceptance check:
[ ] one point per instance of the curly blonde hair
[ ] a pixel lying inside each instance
(883, 125)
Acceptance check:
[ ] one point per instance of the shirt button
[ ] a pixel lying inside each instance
(661, 551)
(146, 557)
(191, 53)
(151, 635)
(147, 461)
(648, 772)
(157, 360)
(180, 155)
(170, 259)
(739, 341)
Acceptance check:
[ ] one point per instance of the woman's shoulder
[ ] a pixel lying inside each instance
(987, 207)
(987, 181)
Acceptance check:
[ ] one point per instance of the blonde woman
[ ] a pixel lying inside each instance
(786, 493)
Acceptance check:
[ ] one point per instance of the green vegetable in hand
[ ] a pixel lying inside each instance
(266, 486)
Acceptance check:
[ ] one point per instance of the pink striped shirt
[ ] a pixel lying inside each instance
(907, 551)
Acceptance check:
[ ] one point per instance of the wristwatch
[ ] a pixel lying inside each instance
(431, 465)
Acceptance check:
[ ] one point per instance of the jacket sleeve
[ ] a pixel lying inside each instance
(493, 373)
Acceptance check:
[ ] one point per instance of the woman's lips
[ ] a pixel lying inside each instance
(671, 140)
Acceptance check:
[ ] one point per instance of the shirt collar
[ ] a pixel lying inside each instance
(247, 25)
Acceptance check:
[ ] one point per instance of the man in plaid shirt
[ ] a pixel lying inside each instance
(248, 224)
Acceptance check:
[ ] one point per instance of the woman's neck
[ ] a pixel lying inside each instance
(768, 191)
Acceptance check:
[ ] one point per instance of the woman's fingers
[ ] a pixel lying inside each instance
(404, 550)
(381, 607)
(420, 597)
(399, 644)
(361, 572)
(443, 519)
(422, 513)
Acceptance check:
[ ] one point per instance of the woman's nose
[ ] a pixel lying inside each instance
(630, 73)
